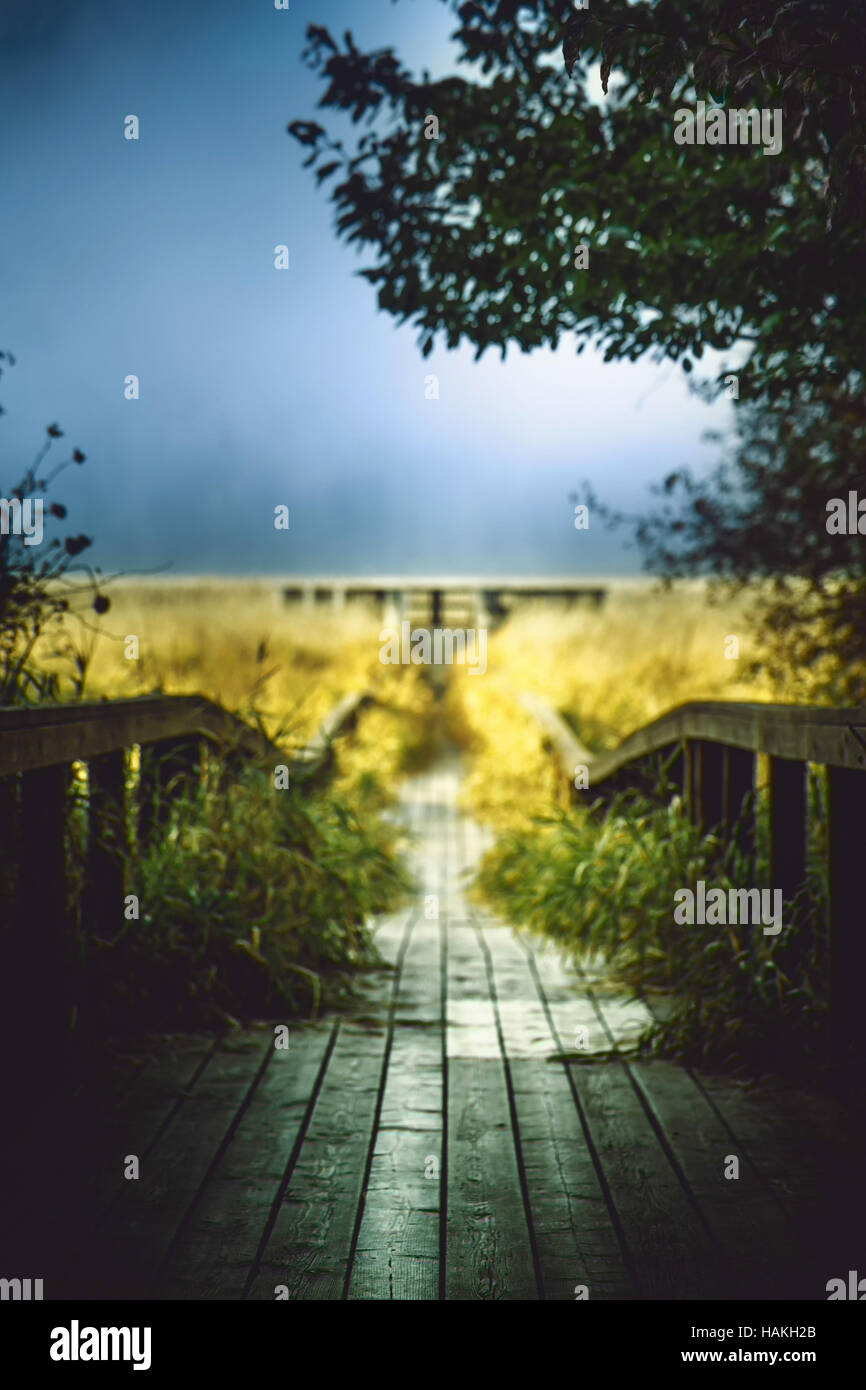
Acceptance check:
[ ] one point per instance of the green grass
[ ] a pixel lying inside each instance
(603, 885)
(254, 903)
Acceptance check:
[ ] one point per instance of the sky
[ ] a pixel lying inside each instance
(260, 387)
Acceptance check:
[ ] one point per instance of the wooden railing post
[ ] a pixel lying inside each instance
(711, 805)
(739, 801)
(42, 948)
(688, 771)
(788, 825)
(846, 799)
(8, 849)
(102, 900)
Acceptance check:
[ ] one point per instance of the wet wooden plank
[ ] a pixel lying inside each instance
(488, 1252)
(579, 1251)
(308, 1249)
(773, 1251)
(216, 1248)
(93, 1127)
(672, 1254)
(669, 1251)
(124, 1253)
(767, 1261)
(397, 1254)
(806, 1154)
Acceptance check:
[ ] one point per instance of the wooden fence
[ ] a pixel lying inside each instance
(710, 750)
(38, 750)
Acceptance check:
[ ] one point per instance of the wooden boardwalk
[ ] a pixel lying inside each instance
(431, 1144)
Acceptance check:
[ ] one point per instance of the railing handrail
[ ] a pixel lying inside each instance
(48, 735)
(801, 733)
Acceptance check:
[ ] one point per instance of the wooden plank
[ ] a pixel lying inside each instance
(799, 732)
(40, 968)
(42, 737)
(57, 1203)
(788, 826)
(337, 721)
(576, 1239)
(668, 1250)
(488, 1250)
(846, 795)
(125, 1252)
(575, 1018)
(308, 1247)
(567, 747)
(165, 1082)
(397, 1254)
(764, 1253)
(766, 1259)
(803, 1149)
(215, 1248)
(672, 1253)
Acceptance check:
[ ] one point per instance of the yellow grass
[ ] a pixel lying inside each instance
(234, 641)
(237, 642)
(608, 670)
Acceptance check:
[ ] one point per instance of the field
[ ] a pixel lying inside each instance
(608, 670)
(237, 642)
(233, 640)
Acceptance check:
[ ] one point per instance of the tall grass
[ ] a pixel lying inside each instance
(603, 883)
(233, 640)
(608, 671)
(253, 902)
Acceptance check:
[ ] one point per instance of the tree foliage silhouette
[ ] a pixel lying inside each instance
(473, 235)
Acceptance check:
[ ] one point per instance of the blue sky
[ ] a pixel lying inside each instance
(261, 387)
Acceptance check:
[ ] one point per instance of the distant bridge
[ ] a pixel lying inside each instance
(474, 601)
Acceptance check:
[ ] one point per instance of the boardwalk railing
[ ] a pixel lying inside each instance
(38, 750)
(710, 750)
